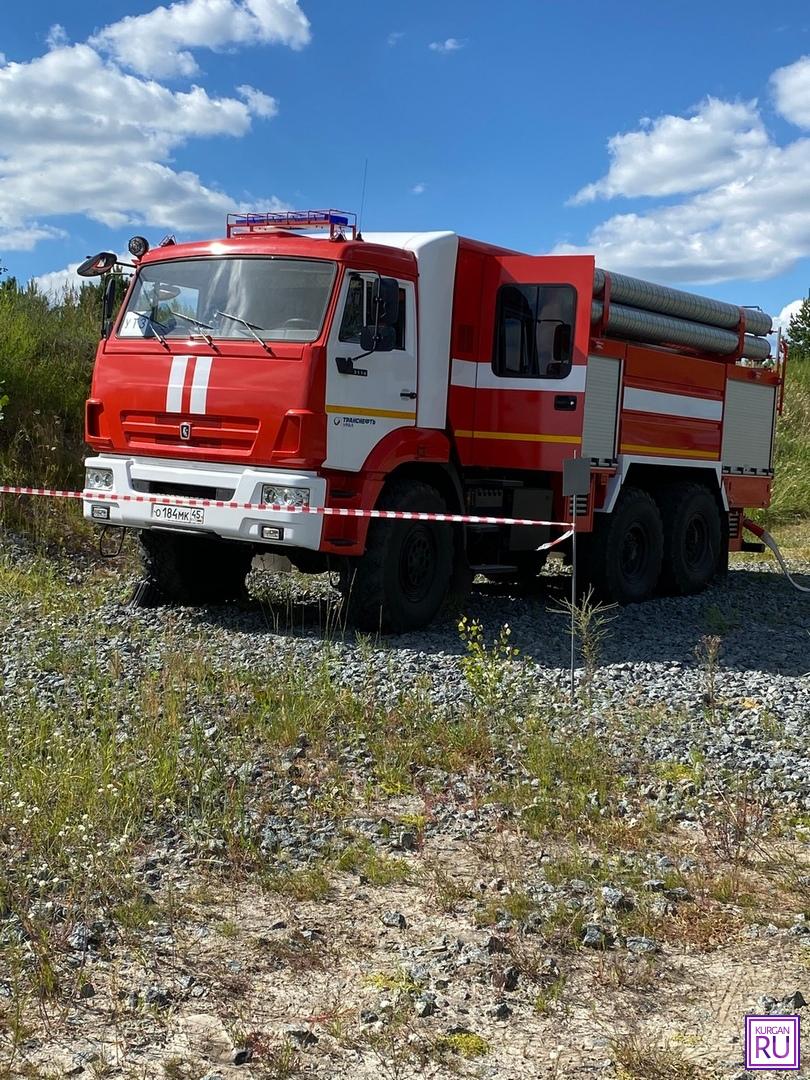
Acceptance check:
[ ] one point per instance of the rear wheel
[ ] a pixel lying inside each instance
(626, 548)
(403, 579)
(693, 536)
(180, 569)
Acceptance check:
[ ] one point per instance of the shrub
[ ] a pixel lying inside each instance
(46, 361)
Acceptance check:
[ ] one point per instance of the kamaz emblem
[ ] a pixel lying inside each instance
(185, 431)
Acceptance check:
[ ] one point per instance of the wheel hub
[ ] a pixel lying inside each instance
(417, 564)
(635, 552)
(695, 541)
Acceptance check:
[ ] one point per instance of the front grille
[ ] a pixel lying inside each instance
(185, 491)
(148, 431)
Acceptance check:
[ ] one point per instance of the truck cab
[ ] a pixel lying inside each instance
(280, 364)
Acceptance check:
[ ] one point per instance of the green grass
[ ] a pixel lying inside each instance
(575, 785)
(791, 492)
(361, 858)
(301, 885)
(46, 360)
(464, 1043)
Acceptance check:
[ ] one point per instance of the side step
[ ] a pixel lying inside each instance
(494, 568)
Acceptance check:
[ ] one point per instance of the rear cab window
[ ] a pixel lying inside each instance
(534, 331)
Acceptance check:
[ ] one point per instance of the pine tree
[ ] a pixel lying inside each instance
(798, 333)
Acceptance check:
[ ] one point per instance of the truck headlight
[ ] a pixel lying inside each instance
(98, 479)
(285, 496)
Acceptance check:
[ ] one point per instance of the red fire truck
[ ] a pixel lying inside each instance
(296, 362)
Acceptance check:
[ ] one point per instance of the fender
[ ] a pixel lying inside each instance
(404, 446)
(400, 448)
(407, 444)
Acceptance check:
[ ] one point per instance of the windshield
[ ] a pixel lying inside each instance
(280, 299)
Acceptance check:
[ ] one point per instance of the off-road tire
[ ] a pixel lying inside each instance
(404, 578)
(693, 538)
(461, 578)
(623, 555)
(191, 570)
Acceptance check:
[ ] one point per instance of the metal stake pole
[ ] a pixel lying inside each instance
(573, 606)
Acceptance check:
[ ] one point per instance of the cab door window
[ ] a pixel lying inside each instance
(534, 331)
(358, 310)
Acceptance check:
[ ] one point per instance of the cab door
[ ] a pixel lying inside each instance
(367, 397)
(529, 396)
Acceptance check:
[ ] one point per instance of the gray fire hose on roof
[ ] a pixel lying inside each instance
(643, 311)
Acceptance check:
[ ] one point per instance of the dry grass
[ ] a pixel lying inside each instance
(638, 1058)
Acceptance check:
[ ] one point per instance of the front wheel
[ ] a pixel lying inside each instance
(403, 579)
(189, 569)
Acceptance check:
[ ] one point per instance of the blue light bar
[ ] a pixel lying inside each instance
(334, 220)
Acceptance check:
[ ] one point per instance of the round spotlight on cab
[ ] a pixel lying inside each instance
(138, 246)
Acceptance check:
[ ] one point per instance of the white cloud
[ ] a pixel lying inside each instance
(56, 283)
(748, 210)
(159, 42)
(259, 103)
(782, 320)
(79, 135)
(449, 45)
(791, 87)
(26, 237)
(419, 189)
(57, 35)
(675, 155)
(395, 37)
(2, 58)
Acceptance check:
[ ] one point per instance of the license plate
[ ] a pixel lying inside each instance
(179, 515)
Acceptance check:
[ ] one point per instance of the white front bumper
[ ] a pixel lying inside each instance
(300, 530)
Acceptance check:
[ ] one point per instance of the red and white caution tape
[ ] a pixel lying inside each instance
(324, 511)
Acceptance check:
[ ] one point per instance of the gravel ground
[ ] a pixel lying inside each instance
(186, 989)
(751, 714)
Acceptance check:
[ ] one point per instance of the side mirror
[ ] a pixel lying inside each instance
(96, 265)
(385, 297)
(561, 347)
(379, 339)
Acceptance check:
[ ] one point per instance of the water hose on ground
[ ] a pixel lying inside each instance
(769, 541)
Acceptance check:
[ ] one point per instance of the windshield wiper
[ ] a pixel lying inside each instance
(252, 328)
(188, 318)
(198, 322)
(154, 325)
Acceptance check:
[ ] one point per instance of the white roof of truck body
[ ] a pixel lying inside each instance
(436, 258)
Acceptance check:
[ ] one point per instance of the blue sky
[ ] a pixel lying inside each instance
(673, 140)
